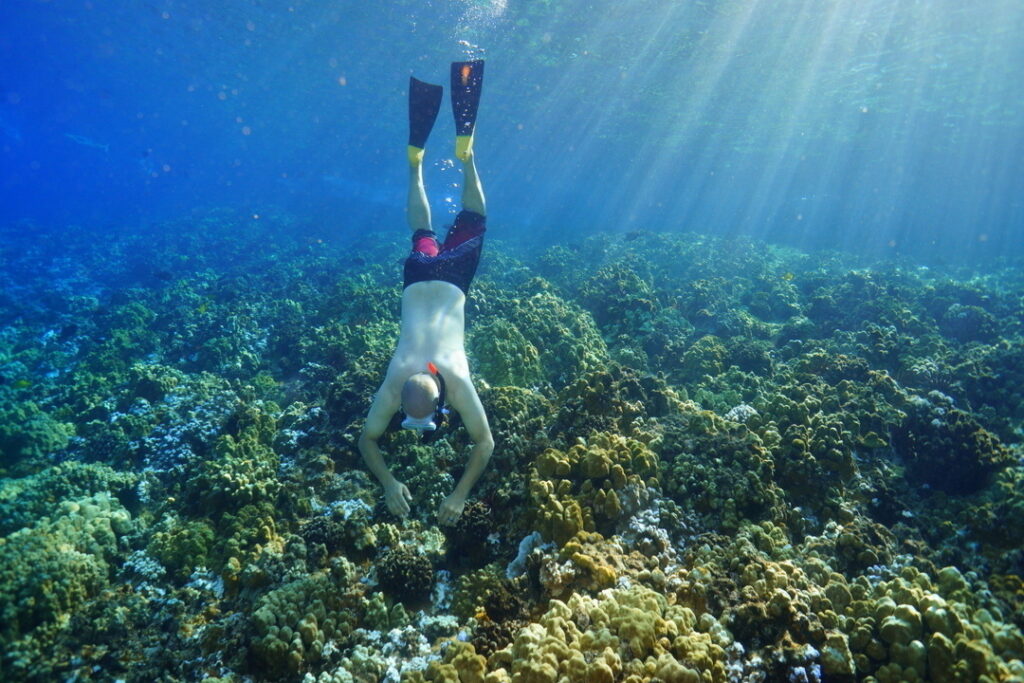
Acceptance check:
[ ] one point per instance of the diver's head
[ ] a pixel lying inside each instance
(419, 401)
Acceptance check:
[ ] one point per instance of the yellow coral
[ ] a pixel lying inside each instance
(591, 485)
(623, 634)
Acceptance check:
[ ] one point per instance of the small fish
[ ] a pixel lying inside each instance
(164, 275)
(787, 276)
(203, 307)
(22, 384)
(67, 332)
(87, 142)
(358, 261)
(632, 235)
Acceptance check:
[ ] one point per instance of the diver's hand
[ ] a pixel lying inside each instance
(397, 497)
(451, 509)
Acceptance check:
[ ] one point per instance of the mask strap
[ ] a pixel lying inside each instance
(441, 411)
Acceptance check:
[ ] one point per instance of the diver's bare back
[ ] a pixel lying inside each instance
(433, 330)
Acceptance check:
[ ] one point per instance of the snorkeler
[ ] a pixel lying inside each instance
(429, 366)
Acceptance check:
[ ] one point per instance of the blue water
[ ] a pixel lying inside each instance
(190, 345)
(869, 126)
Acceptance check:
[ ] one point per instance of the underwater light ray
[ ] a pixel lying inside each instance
(584, 100)
(832, 46)
(696, 87)
(885, 192)
(998, 162)
(701, 128)
(640, 100)
(784, 103)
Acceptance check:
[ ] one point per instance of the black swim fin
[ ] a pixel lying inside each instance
(467, 84)
(424, 103)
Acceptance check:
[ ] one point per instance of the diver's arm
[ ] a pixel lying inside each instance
(385, 403)
(465, 400)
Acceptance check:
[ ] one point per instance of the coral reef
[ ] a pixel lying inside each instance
(295, 621)
(28, 433)
(53, 568)
(406, 575)
(590, 486)
(714, 461)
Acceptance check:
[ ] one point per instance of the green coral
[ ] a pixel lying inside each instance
(346, 528)
(405, 574)
(153, 382)
(947, 448)
(619, 298)
(248, 533)
(295, 621)
(614, 399)
(566, 336)
(722, 472)
(517, 418)
(24, 500)
(242, 471)
(129, 337)
(624, 634)
(706, 356)
(183, 547)
(502, 356)
(969, 323)
(52, 569)
(913, 626)
(473, 588)
(243, 467)
(27, 433)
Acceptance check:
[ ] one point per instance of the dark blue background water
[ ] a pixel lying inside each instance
(874, 126)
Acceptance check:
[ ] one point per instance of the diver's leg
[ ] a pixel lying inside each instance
(467, 85)
(424, 103)
(472, 188)
(417, 210)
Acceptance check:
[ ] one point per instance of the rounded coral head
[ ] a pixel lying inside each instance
(419, 395)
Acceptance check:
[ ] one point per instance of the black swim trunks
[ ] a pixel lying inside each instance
(455, 260)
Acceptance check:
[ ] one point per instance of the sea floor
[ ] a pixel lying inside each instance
(715, 460)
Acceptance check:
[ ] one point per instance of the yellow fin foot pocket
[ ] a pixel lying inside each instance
(415, 155)
(464, 147)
